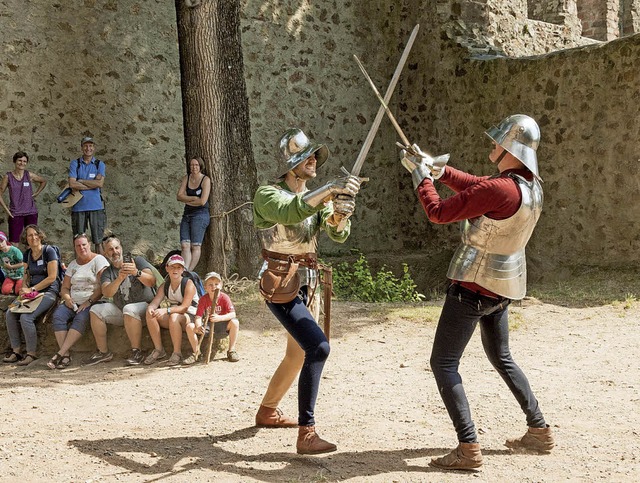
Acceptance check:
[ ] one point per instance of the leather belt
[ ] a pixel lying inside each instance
(309, 260)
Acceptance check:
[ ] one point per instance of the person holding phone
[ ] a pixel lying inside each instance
(130, 282)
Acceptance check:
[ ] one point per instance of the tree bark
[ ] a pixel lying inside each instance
(217, 128)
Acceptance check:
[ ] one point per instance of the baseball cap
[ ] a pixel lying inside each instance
(175, 260)
(87, 139)
(3, 237)
(212, 275)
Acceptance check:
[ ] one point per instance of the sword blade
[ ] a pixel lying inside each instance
(383, 104)
(364, 150)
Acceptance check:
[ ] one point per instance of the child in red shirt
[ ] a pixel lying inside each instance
(223, 318)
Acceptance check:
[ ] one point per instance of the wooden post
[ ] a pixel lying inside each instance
(327, 282)
(214, 301)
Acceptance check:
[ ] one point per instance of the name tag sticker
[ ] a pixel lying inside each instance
(40, 262)
(26, 183)
(92, 175)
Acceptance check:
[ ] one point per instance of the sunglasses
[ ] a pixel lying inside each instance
(80, 235)
(108, 237)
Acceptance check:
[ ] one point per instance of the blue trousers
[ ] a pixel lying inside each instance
(27, 322)
(462, 311)
(298, 321)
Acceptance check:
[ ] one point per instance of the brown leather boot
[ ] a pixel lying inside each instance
(467, 456)
(310, 443)
(273, 418)
(539, 440)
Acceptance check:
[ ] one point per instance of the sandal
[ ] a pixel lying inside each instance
(28, 359)
(155, 355)
(54, 361)
(64, 362)
(192, 359)
(12, 358)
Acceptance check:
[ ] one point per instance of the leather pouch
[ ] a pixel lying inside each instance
(280, 282)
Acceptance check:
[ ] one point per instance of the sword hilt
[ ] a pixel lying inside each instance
(408, 149)
(343, 222)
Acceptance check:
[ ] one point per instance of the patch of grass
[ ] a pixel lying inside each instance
(589, 286)
(516, 319)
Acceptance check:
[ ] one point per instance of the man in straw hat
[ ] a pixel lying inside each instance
(288, 217)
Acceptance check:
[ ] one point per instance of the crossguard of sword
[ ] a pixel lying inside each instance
(347, 173)
(408, 149)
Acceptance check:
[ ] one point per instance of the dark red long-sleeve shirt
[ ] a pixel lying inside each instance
(497, 197)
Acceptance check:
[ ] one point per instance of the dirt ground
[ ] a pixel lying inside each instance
(378, 403)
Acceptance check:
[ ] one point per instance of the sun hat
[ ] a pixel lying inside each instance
(175, 260)
(212, 275)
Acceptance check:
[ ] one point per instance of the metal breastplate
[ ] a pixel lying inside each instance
(293, 240)
(492, 253)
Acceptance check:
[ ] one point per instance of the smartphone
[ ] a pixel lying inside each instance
(127, 258)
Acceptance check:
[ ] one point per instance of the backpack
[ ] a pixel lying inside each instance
(195, 278)
(62, 268)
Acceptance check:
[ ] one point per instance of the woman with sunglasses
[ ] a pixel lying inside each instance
(41, 275)
(80, 289)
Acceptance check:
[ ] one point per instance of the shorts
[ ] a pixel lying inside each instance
(220, 330)
(17, 223)
(96, 220)
(193, 227)
(109, 312)
(65, 319)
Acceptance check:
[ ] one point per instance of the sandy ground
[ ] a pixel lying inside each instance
(378, 402)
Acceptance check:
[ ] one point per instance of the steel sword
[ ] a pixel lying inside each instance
(435, 163)
(364, 150)
(385, 108)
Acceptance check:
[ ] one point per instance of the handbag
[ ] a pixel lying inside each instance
(69, 197)
(27, 303)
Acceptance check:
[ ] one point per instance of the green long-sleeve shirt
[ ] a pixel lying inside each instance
(276, 204)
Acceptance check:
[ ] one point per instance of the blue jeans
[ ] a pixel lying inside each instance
(65, 319)
(298, 321)
(27, 322)
(193, 227)
(462, 311)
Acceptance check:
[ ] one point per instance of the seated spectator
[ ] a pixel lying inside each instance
(180, 297)
(131, 283)
(41, 275)
(12, 266)
(222, 319)
(80, 289)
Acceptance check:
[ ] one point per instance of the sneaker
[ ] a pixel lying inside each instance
(232, 356)
(174, 360)
(192, 359)
(98, 357)
(136, 358)
(155, 356)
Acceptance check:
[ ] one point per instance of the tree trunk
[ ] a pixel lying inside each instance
(217, 128)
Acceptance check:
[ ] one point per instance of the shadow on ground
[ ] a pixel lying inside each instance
(165, 457)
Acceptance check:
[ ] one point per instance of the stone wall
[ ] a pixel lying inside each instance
(111, 69)
(585, 100)
(105, 68)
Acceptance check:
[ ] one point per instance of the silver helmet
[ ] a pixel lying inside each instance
(295, 147)
(520, 135)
